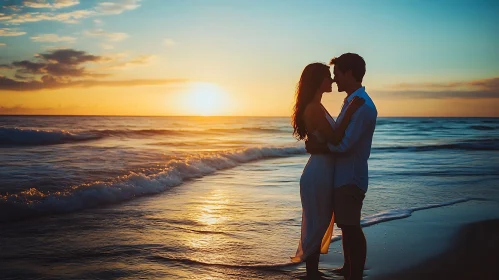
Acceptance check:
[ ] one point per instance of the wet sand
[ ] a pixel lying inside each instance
(474, 255)
(454, 242)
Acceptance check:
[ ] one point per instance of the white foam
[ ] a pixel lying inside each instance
(396, 214)
(33, 202)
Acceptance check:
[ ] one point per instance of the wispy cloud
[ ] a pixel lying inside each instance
(117, 7)
(53, 38)
(20, 14)
(484, 88)
(168, 42)
(8, 32)
(65, 68)
(25, 110)
(47, 83)
(55, 4)
(5, 17)
(113, 37)
(107, 46)
(141, 60)
(67, 17)
(15, 8)
(484, 84)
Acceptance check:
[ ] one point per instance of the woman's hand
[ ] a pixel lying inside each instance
(354, 106)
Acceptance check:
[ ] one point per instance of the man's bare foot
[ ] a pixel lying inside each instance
(339, 271)
(315, 276)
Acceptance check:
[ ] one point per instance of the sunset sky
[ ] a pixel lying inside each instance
(243, 57)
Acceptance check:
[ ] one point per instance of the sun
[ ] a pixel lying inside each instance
(204, 99)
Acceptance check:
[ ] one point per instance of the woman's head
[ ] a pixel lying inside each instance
(315, 80)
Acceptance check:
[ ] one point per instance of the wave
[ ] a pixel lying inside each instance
(137, 132)
(197, 262)
(36, 137)
(397, 214)
(249, 129)
(472, 145)
(482, 127)
(29, 137)
(34, 203)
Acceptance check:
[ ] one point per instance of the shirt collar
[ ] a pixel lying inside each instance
(359, 92)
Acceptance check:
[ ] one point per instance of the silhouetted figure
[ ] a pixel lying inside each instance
(311, 120)
(351, 155)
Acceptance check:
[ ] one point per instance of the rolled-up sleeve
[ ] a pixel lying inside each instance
(357, 125)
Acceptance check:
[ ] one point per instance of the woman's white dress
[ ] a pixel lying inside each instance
(316, 192)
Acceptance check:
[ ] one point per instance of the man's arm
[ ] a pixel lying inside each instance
(313, 146)
(359, 123)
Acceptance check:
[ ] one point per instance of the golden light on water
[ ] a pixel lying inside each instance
(213, 211)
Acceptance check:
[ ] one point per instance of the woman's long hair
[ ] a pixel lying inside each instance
(311, 79)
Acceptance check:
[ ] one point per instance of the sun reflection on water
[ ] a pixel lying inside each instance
(213, 212)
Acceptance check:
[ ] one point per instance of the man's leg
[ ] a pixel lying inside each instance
(357, 247)
(312, 264)
(345, 270)
(348, 205)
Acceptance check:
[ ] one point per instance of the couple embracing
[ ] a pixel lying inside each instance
(335, 179)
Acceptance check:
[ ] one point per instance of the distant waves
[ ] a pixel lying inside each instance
(486, 144)
(37, 137)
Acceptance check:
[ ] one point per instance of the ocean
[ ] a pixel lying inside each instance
(95, 197)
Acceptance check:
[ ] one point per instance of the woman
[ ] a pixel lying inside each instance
(311, 119)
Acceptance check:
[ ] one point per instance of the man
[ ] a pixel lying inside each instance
(351, 155)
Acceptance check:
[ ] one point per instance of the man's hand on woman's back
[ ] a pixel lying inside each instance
(313, 146)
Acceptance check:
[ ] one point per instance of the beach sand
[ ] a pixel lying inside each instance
(460, 241)
(474, 255)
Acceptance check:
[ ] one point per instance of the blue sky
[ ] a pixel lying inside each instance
(257, 49)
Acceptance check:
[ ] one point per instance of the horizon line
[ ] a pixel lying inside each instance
(216, 116)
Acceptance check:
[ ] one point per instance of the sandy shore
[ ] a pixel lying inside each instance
(474, 255)
(453, 242)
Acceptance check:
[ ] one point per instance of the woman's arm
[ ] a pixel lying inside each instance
(316, 120)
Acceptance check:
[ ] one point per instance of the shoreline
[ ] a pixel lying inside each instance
(429, 244)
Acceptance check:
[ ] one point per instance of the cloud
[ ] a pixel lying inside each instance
(22, 110)
(47, 82)
(103, 8)
(484, 88)
(70, 57)
(55, 4)
(117, 7)
(14, 8)
(485, 84)
(2, 45)
(9, 32)
(5, 17)
(25, 110)
(52, 38)
(58, 66)
(107, 46)
(140, 60)
(64, 68)
(114, 37)
(6, 67)
(68, 17)
(168, 42)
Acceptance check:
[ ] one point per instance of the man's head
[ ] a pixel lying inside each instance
(349, 70)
